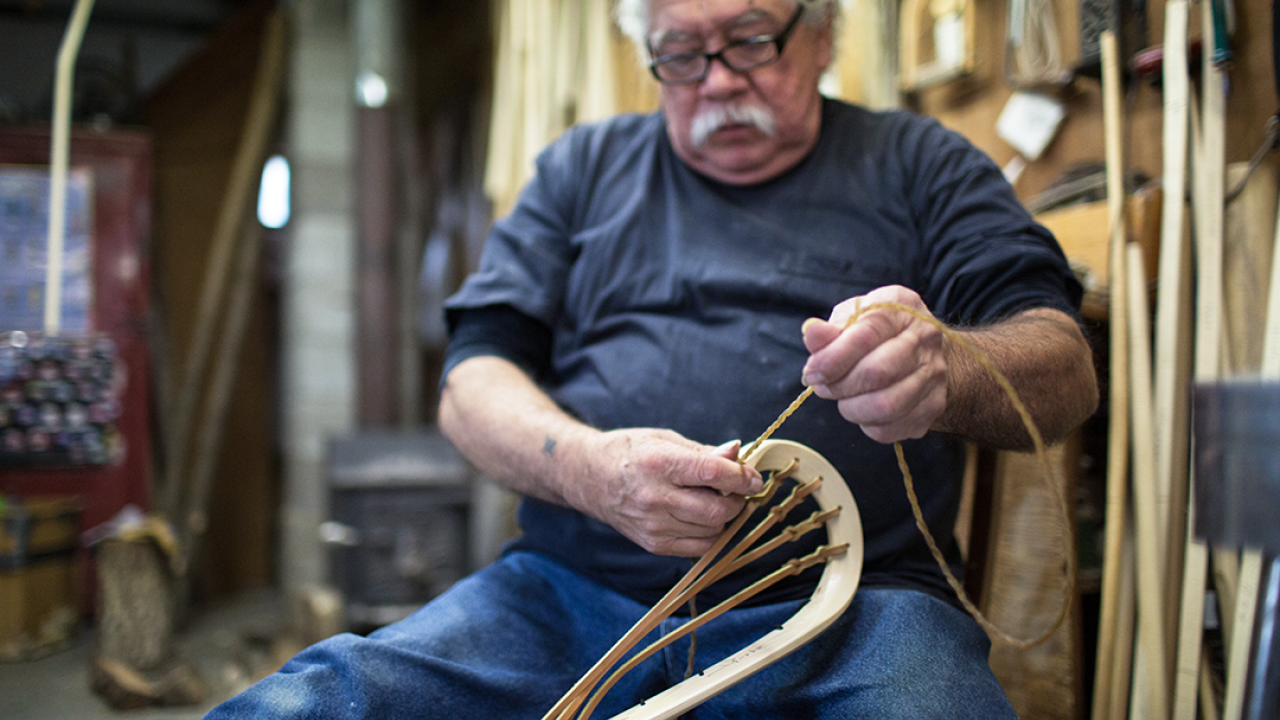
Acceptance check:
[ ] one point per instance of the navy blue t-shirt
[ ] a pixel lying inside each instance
(675, 301)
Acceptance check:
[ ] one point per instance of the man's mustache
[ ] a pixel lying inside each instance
(718, 117)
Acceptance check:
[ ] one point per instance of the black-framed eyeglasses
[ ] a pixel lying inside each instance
(739, 56)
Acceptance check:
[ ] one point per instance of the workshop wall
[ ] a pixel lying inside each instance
(972, 105)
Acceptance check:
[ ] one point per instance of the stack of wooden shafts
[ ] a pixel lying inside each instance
(1152, 661)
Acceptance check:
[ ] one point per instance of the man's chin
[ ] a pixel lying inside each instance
(731, 163)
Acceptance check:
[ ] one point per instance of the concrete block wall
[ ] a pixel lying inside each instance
(318, 351)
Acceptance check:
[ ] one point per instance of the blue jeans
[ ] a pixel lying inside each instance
(508, 641)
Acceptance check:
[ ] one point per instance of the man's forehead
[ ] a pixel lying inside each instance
(669, 18)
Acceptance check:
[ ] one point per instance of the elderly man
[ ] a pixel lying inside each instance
(653, 298)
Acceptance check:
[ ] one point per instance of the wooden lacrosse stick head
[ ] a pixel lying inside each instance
(829, 600)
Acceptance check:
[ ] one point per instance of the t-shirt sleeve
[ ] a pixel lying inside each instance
(528, 253)
(501, 331)
(986, 258)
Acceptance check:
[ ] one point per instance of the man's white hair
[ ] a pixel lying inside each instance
(633, 18)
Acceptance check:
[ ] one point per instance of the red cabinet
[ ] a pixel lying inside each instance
(120, 166)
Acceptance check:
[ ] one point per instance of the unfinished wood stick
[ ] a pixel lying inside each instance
(1240, 629)
(1209, 141)
(1149, 536)
(1190, 623)
(571, 701)
(1224, 576)
(1173, 309)
(1116, 705)
(707, 569)
(1118, 421)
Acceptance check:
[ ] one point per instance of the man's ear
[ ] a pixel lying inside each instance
(826, 44)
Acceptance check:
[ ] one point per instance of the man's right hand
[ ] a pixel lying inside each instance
(668, 494)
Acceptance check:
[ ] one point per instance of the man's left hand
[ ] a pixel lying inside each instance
(887, 371)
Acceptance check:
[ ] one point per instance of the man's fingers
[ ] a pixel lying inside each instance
(819, 333)
(720, 471)
(691, 524)
(888, 363)
(729, 450)
(705, 513)
(685, 547)
(886, 370)
(839, 357)
(890, 403)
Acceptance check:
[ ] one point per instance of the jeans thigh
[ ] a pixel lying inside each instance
(506, 642)
(893, 654)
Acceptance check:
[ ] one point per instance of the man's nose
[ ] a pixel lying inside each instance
(722, 79)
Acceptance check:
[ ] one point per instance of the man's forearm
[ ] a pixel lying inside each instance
(499, 418)
(1046, 358)
(668, 494)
